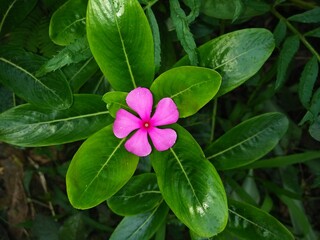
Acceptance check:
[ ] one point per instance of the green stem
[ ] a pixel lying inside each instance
(303, 4)
(214, 116)
(296, 31)
(150, 4)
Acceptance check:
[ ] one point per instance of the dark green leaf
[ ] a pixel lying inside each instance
(68, 22)
(51, 91)
(28, 125)
(248, 222)
(139, 195)
(141, 226)
(280, 32)
(222, 9)
(314, 33)
(315, 104)
(189, 87)
(121, 41)
(7, 99)
(191, 186)
(288, 50)
(311, 16)
(74, 228)
(307, 81)
(115, 101)
(237, 56)
(99, 169)
(248, 141)
(75, 52)
(314, 129)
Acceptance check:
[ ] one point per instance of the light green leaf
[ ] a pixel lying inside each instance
(191, 186)
(141, 226)
(121, 41)
(30, 126)
(99, 169)
(237, 56)
(311, 16)
(288, 50)
(51, 91)
(115, 101)
(189, 87)
(68, 23)
(248, 141)
(139, 195)
(248, 222)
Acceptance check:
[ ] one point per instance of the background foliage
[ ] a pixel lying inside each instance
(45, 40)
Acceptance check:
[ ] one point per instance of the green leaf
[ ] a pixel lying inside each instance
(68, 23)
(74, 228)
(7, 99)
(307, 81)
(237, 56)
(311, 16)
(75, 52)
(285, 160)
(189, 87)
(121, 41)
(181, 23)
(248, 141)
(280, 32)
(51, 91)
(315, 104)
(99, 169)
(222, 9)
(288, 50)
(139, 195)
(141, 226)
(30, 126)
(314, 129)
(115, 101)
(314, 33)
(248, 222)
(191, 186)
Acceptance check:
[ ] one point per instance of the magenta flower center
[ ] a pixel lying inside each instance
(146, 125)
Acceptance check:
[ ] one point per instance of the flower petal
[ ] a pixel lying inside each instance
(138, 144)
(163, 139)
(125, 123)
(141, 101)
(166, 113)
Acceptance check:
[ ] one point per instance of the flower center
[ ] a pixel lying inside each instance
(146, 125)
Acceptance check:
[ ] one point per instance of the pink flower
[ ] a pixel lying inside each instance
(141, 101)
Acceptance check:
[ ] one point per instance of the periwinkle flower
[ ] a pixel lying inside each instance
(140, 100)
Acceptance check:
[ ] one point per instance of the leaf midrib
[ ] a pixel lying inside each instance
(188, 88)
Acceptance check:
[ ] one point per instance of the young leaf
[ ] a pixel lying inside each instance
(51, 91)
(237, 56)
(288, 50)
(139, 195)
(189, 87)
(311, 16)
(75, 52)
(115, 101)
(248, 141)
(191, 186)
(141, 226)
(121, 41)
(99, 169)
(248, 222)
(307, 81)
(30, 126)
(68, 23)
(181, 23)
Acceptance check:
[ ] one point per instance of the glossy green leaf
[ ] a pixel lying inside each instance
(139, 195)
(288, 50)
(191, 186)
(30, 126)
(68, 23)
(99, 169)
(51, 91)
(121, 41)
(248, 222)
(222, 9)
(115, 101)
(311, 16)
(248, 141)
(189, 87)
(237, 56)
(307, 81)
(141, 226)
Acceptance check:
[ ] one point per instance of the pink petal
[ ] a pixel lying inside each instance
(138, 144)
(166, 113)
(141, 101)
(125, 123)
(163, 139)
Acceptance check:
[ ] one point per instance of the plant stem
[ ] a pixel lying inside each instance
(303, 4)
(150, 4)
(296, 31)
(214, 116)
